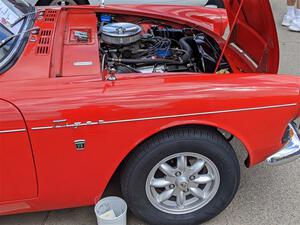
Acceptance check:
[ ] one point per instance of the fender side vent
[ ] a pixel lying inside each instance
(46, 33)
(42, 50)
(50, 15)
(43, 46)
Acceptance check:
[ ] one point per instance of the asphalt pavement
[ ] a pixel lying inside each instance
(267, 195)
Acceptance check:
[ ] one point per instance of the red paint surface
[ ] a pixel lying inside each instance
(48, 87)
(17, 172)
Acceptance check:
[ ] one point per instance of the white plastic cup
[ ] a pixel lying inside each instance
(117, 205)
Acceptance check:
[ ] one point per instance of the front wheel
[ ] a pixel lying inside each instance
(183, 176)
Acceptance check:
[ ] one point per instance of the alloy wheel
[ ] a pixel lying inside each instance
(182, 183)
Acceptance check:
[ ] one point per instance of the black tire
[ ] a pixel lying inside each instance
(207, 142)
(48, 2)
(218, 3)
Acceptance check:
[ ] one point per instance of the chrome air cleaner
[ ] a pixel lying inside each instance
(120, 33)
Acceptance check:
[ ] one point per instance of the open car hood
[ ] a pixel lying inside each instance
(253, 37)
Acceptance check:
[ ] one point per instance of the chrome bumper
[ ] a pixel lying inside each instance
(289, 152)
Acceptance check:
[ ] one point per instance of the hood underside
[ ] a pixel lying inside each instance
(253, 37)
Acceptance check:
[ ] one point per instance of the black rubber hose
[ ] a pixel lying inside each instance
(187, 47)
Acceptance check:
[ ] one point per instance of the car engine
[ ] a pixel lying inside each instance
(150, 46)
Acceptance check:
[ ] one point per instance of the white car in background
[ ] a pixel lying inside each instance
(217, 3)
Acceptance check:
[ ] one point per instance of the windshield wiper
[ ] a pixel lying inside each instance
(24, 16)
(8, 39)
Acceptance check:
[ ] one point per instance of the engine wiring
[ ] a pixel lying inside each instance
(160, 47)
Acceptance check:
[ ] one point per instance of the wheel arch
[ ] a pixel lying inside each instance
(224, 131)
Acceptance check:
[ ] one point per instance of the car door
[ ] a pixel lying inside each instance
(17, 170)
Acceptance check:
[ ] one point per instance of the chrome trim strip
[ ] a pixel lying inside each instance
(87, 63)
(244, 54)
(100, 122)
(42, 128)
(199, 114)
(12, 131)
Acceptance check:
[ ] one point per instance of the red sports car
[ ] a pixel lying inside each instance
(151, 92)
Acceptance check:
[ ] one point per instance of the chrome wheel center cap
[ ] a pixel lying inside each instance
(182, 183)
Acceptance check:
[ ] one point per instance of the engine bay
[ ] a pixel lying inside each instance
(145, 45)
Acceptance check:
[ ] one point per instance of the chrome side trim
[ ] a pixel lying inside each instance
(12, 131)
(102, 122)
(198, 114)
(289, 152)
(42, 128)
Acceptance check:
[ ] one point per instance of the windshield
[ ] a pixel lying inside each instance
(10, 11)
